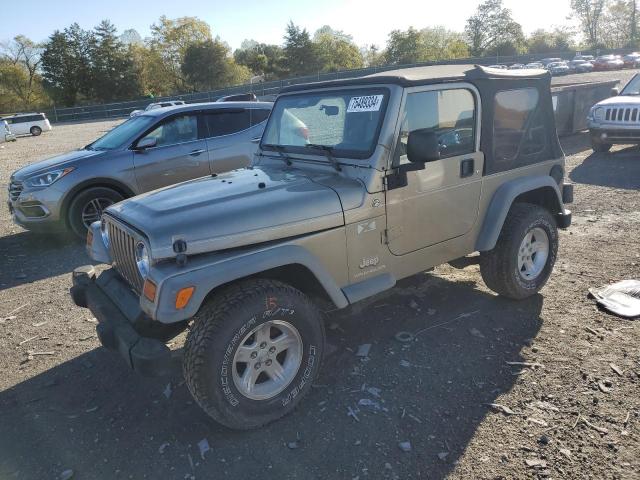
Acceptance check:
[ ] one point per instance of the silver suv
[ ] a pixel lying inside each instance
(391, 174)
(152, 150)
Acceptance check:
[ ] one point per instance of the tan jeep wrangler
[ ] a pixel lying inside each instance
(357, 183)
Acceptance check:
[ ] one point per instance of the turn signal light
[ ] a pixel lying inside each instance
(183, 296)
(149, 290)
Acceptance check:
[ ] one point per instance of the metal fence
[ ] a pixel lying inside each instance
(272, 88)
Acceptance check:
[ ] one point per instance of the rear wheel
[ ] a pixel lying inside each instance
(600, 146)
(253, 352)
(87, 207)
(521, 262)
(35, 131)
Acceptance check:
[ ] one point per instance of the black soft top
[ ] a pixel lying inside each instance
(409, 77)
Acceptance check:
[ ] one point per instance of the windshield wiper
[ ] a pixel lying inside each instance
(280, 151)
(328, 152)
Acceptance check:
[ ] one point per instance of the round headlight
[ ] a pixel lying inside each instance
(104, 232)
(142, 259)
(598, 113)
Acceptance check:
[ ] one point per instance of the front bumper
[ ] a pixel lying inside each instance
(616, 134)
(9, 137)
(37, 210)
(122, 326)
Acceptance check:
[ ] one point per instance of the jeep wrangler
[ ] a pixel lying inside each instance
(356, 183)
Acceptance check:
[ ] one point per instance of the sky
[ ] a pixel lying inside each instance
(368, 21)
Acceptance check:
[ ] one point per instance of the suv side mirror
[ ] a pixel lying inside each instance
(423, 146)
(615, 91)
(147, 142)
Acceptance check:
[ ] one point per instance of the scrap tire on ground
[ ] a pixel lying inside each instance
(232, 327)
(501, 267)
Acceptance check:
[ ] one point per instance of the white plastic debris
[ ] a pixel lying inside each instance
(621, 298)
(162, 447)
(363, 350)
(203, 445)
(374, 391)
(66, 475)
(404, 363)
(167, 391)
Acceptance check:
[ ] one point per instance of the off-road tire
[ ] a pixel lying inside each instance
(74, 213)
(218, 329)
(600, 146)
(35, 131)
(499, 267)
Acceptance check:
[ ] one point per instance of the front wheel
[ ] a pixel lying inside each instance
(600, 146)
(522, 260)
(253, 352)
(87, 207)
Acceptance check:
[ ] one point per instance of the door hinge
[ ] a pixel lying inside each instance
(385, 237)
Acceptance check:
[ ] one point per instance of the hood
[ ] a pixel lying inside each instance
(242, 207)
(59, 161)
(620, 100)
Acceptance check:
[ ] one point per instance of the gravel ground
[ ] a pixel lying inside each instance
(573, 416)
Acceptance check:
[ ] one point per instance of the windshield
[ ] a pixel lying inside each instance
(633, 87)
(118, 137)
(348, 121)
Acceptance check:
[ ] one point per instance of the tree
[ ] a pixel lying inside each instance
(404, 47)
(618, 24)
(170, 39)
(207, 66)
(443, 44)
(492, 29)
(300, 54)
(66, 64)
(112, 70)
(19, 71)
(372, 56)
(335, 51)
(261, 59)
(549, 41)
(429, 44)
(589, 14)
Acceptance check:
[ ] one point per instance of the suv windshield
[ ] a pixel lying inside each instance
(633, 87)
(117, 138)
(348, 121)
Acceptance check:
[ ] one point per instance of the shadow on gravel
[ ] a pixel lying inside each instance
(618, 169)
(26, 257)
(92, 415)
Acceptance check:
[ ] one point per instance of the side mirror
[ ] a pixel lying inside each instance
(423, 146)
(615, 91)
(147, 142)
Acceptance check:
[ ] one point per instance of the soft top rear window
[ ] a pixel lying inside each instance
(347, 121)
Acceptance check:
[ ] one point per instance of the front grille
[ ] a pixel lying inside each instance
(622, 115)
(122, 246)
(15, 189)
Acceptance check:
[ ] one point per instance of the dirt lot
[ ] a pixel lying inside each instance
(573, 416)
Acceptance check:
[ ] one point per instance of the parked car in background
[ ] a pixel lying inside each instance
(607, 62)
(616, 119)
(558, 68)
(501, 67)
(632, 60)
(28, 123)
(534, 66)
(546, 61)
(5, 132)
(584, 58)
(516, 66)
(155, 105)
(158, 148)
(239, 97)
(580, 66)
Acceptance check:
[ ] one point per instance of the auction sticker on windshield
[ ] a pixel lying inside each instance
(366, 103)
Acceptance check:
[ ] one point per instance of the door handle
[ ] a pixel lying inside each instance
(467, 168)
(256, 140)
(195, 153)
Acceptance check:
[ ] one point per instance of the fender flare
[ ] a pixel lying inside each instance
(212, 271)
(501, 202)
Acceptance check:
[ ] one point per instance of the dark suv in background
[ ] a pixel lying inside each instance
(155, 149)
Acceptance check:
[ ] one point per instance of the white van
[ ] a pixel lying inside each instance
(28, 123)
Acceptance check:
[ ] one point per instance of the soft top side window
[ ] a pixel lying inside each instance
(225, 122)
(450, 114)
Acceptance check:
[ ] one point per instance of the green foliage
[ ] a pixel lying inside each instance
(262, 59)
(547, 41)
(336, 52)
(207, 65)
(430, 44)
(589, 13)
(20, 81)
(300, 53)
(492, 30)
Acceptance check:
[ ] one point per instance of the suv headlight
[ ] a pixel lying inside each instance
(104, 232)
(142, 259)
(46, 179)
(598, 113)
